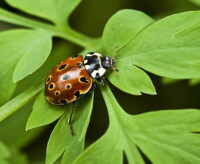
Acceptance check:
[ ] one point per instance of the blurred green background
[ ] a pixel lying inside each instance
(90, 18)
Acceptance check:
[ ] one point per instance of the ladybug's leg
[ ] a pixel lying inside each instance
(70, 117)
(115, 70)
(100, 81)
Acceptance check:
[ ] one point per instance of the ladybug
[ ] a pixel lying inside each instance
(72, 78)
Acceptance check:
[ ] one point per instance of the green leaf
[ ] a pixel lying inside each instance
(34, 53)
(106, 149)
(193, 82)
(19, 101)
(55, 11)
(43, 113)
(168, 135)
(24, 92)
(121, 28)
(3, 161)
(132, 80)
(20, 46)
(167, 81)
(60, 51)
(169, 47)
(62, 141)
(17, 157)
(4, 152)
(13, 156)
(58, 140)
(62, 30)
(16, 136)
(195, 1)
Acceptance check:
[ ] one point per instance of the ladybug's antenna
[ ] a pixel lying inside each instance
(113, 58)
(113, 53)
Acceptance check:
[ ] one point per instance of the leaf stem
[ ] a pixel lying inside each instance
(12, 18)
(64, 31)
(70, 34)
(19, 101)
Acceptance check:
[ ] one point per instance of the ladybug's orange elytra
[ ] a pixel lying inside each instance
(64, 83)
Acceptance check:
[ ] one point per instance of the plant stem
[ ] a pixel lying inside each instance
(12, 18)
(63, 31)
(70, 34)
(19, 101)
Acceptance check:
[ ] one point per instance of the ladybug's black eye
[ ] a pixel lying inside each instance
(106, 62)
(62, 66)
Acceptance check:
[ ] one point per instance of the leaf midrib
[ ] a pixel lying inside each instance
(134, 37)
(156, 50)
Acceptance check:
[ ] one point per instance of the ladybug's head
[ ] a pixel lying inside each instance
(107, 62)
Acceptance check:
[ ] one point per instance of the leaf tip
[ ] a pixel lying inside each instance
(29, 126)
(155, 93)
(16, 78)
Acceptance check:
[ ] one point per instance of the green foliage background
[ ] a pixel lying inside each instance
(158, 51)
